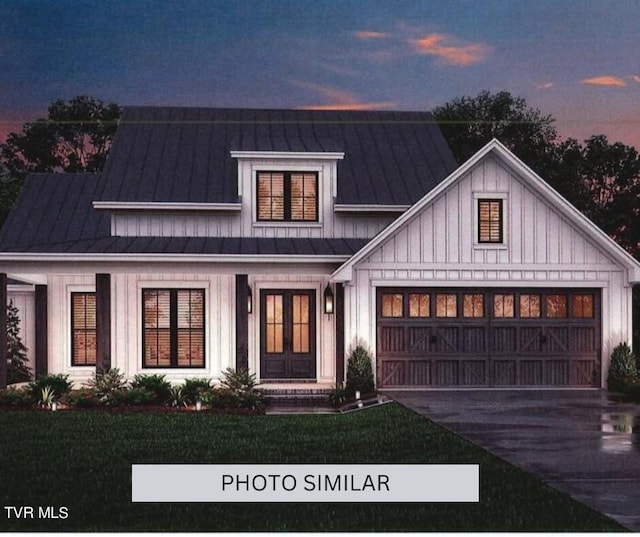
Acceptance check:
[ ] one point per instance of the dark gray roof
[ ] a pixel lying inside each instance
(183, 154)
(201, 245)
(54, 208)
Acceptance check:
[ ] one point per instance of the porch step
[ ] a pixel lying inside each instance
(303, 397)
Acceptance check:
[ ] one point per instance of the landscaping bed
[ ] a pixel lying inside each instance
(82, 461)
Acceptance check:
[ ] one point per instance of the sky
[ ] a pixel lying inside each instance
(577, 60)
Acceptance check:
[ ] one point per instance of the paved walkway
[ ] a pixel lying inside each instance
(579, 442)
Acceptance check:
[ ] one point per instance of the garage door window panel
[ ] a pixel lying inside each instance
(503, 305)
(556, 306)
(446, 305)
(392, 305)
(582, 306)
(419, 305)
(529, 306)
(473, 305)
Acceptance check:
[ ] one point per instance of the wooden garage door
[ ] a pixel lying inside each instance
(491, 338)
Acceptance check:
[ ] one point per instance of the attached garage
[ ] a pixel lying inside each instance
(447, 337)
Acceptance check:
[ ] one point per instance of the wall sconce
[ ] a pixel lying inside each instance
(249, 300)
(328, 300)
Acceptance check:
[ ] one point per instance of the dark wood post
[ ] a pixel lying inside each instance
(42, 341)
(103, 322)
(3, 330)
(242, 322)
(339, 333)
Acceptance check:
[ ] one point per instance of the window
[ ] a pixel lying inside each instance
(556, 306)
(490, 221)
(173, 333)
(392, 305)
(287, 196)
(583, 306)
(503, 305)
(83, 329)
(473, 305)
(419, 305)
(529, 306)
(446, 305)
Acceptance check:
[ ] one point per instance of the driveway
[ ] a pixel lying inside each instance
(578, 441)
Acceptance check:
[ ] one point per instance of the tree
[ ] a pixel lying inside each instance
(17, 364)
(75, 137)
(468, 123)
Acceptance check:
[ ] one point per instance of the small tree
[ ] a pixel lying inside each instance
(622, 368)
(17, 364)
(359, 372)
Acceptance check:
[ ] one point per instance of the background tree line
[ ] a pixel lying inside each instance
(602, 179)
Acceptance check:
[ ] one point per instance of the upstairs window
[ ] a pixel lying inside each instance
(287, 197)
(490, 221)
(83, 329)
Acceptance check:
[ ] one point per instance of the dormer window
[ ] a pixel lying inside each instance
(287, 196)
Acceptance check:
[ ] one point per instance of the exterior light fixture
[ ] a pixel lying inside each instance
(54, 406)
(249, 300)
(328, 300)
(198, 405)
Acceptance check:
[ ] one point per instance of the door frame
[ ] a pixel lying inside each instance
(255, 320)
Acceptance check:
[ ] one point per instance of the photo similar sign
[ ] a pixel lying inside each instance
(327, 483)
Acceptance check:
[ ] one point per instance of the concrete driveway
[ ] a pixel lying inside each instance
(578, 441)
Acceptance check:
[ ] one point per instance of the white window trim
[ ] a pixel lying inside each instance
(504, 245)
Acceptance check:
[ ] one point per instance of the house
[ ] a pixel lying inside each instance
(279, 239)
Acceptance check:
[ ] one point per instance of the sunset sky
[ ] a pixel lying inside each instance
(578, 60)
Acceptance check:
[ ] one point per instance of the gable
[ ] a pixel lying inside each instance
(541, 228)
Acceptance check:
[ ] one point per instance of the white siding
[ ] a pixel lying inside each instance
(243, 223)
(438, 247)
(25, 302)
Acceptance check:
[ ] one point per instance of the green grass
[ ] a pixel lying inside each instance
(82, 460)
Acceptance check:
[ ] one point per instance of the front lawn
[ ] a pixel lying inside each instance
(82, 460)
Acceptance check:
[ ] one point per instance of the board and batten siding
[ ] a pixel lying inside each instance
(243, 223)
(438, 248)
(25, 301)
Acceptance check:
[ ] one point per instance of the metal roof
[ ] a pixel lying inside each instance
(183, 154)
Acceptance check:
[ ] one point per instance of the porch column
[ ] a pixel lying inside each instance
(103, 322)
(242, 322)
(339, 333)
(42, 323)
(3, 331)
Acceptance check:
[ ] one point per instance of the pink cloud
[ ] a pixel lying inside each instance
(370, 34)
(339, 99)
(545, 85)
(605, 80)
(448, 50)
(636, 78)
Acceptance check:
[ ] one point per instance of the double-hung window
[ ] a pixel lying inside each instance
(490, 221)
(83, 329)
(173, 328)
(287, 197)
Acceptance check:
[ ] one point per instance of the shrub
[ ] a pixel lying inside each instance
(338, 395)
(238, 381)
(46, 397)
(237, 390)
(83, 398)
(359, 372)
(17, 363)
(105, 384)
(15, 397)
(622, 369)
(156, 384)
(133, 397)
(194, 388)
(176, 397)
(59, 385)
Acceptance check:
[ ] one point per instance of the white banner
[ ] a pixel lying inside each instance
(415, 483)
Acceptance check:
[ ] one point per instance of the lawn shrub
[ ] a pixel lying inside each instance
(359, 372)
(338, 395)
(239, 389)
(105, 383)
(156, 384)
(82, 398)
(176, 397)
(622, 369)
(16, 397)
(134, 397)
(59, 385)
(194, 388)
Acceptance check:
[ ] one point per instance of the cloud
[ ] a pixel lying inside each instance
(636, 78)
(370, 34)
(449, 50)
(545, 85)
(604, 81)
(339, 99)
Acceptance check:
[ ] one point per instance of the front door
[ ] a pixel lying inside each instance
(287, 334)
